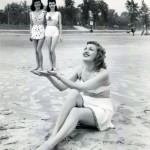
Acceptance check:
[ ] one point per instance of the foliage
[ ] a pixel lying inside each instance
(97, 7)
(69, 11)
(132, 8)
(144, 14)
(18, 14)
(69, 3)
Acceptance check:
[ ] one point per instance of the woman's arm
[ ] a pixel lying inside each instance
(60, 25)
(57, 83)
(99, 80)
(31, 23)
(45, 22)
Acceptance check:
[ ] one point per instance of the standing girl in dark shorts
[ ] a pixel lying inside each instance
(37, 31)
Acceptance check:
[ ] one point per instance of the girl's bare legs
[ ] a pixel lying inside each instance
(53, 46)
(35, 43)
(83, 115)
(74, 99)
(49, 43)
(39, 50)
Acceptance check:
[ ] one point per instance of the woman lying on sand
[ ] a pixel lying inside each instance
(88, 102)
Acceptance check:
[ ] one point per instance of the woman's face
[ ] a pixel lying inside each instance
(52, 5)
(90, 52)
(37, 5)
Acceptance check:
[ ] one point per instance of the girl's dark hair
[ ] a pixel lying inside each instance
(100, 58)
(48, 8)
(32, 5)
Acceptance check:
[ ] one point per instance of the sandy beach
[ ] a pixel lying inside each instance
(29, 105)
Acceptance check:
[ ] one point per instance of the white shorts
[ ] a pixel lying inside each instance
(101, 109)
(51, 31)
(37, 32)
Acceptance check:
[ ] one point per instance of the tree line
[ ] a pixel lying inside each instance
(90, 10)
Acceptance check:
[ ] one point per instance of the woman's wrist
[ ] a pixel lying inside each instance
(58, 77)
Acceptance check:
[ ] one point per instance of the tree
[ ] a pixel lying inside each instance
(85, 7)
(15, 13)
(132, 8)
(103, 8)
(111, 17)
(69, 3)
(2, 16)
(124, 19)
(70, 11)
(25, 12)
(144, 14)
(97, 7)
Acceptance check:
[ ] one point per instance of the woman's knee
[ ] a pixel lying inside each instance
(74, 113)
(39, 50)
(74, 94)
(52, 52)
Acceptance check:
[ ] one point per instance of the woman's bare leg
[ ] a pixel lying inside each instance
(39, 50)
(35, 43)
(74, 99)
(53, 46)
(83, 115)
(49, 43)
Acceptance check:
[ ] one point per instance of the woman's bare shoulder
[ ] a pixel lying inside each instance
(78, 70)
(103, 73)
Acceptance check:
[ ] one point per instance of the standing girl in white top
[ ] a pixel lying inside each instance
(37, 31)
(52, 34)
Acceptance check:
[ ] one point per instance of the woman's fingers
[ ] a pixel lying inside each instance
(52, 73)
(43, 73)
(36, 72)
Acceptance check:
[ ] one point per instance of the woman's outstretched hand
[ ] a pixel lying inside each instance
(41, 73)
(44, 73)
(52, 73)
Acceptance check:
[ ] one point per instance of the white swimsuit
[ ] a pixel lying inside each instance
(101, 107)
(52, 30)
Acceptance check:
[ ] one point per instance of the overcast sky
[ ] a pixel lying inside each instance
(118, 5)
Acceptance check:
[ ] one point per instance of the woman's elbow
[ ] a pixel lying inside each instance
(62, 89)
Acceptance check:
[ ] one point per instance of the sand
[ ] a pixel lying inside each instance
(29, 105)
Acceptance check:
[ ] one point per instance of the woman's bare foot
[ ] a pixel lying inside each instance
(36, 72)
(51, 69)
(46, 146)
(35, 69)
(40, 69)
(55, 69)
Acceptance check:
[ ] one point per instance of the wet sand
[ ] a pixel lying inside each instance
(29, 105)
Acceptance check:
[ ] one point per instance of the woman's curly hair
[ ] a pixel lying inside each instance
(100, 58)
(48, 8)
(32, 5)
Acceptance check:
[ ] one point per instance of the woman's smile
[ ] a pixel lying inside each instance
(86, 54)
